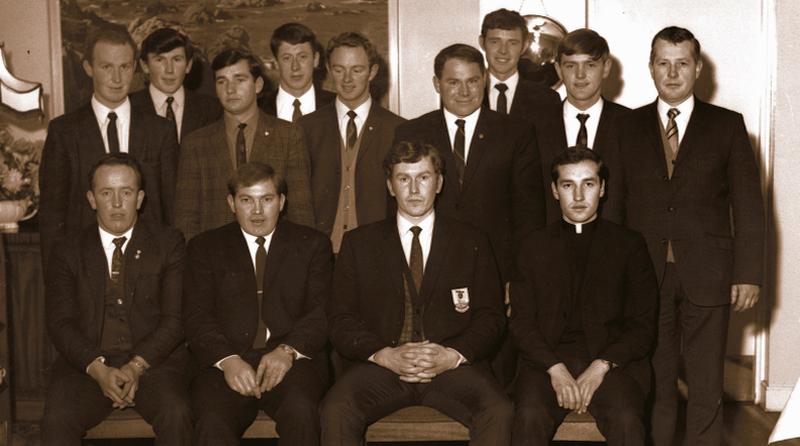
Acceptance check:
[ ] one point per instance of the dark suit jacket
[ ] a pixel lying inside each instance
(619, 298)
(220, 300)
(205, 166)
(73, 146)
(75, 294)
(502, 191)
(321, 132)
(200, 110)
(604, 144)
(366, 312)
(269, 106)
(715, 172)
(533, 102)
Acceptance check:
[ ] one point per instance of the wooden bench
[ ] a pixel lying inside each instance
(417, 423)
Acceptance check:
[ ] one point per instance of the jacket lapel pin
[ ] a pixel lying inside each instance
(480, 136)
(266, 133)
(138, 254)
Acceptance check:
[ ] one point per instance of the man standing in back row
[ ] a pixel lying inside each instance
(688, 168)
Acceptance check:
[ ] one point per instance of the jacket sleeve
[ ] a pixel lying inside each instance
(168, 153)
(54, 189)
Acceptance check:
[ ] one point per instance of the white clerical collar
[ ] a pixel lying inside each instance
(579, 226)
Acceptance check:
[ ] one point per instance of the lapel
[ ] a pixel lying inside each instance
(395, 262)
(477, 148)
(262, 141)
(278, 250)
(91, 135)
(136, 144)
(240, 260)
(652, 134)
(96, 270)
(139, 252)
(148, 99)
(191, 117)
(218, 146)
(437, 257)
(694, 130)
(368, 131)
(603, 126)
(331, 137)
(518, 101)
(276, 317)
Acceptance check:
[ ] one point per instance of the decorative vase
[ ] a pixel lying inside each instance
(12, 212)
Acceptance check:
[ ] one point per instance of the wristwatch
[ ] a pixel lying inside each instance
(286, 349)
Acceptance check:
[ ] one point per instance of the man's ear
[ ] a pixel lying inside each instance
(259, 84)
(436, 84)
(90, 197)
(389, 186)
(87, 67)
(554, 189)
(602, 188)
(231, 203)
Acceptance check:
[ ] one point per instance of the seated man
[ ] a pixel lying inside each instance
(584, 314)
(254, 316)
(417, 306)
(113, 301)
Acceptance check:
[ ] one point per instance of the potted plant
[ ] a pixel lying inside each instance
(19, 179)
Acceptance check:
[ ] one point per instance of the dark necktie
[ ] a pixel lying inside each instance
(502, 101)
(296, 113)
(352, 132)
(458, 151)
(117, 259)
(415, 261)
(241, 148)
(672, 129)
(583, 138)
(111, 133)
(415, 265)
(260, 340)
(171, 113)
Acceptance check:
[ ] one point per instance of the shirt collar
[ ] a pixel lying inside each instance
(686, 107)
(231, 122)
(362, 111)
(160, 98)
(101, 112)
(511, 82)
(594, 111)
(107, 238)
(579, 228)
(404, 225)
(251, 239)
(470, 120)
(284, 95)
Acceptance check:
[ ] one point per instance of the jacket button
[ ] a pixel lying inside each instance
(670, 209)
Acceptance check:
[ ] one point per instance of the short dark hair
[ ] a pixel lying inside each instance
(232, 56)
(164, 40)
(117, 159)
(460, 51)
(583, 41)
(574, 155)
(504, 19)
(293, 34)
(412, 152)
(675, 35)
(353, 40)
(109, 34)
(252, 173)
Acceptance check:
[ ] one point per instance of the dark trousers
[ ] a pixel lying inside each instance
(368, 392)
(695, 337)
(75, 403)
(222, 415)
(617, 406)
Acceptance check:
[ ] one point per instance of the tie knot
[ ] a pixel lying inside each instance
(582, 117)
(296, 102)
(170, 100)
(502, 87)
(260, 241)
(673, 112)
(112, 116)
(119, 241)
(460, 123)
(352, 114)
(416, 230)
(242, 125)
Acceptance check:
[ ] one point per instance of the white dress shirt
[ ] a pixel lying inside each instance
(178, 105)
(284, 103)
(123, 122)
(470, 122)
(511, 83)
(572, 126)
(362, 111)
(682, 120)
(107, 242)
(425, 236)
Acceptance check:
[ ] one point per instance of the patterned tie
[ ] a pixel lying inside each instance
(459, 151)
(583, 138)
(117, 259)
(502, 101)
(260, 340)
(352, 132)
(296, 113)
(672, 129)
(111, 133)
(241, 148)
(171, 113)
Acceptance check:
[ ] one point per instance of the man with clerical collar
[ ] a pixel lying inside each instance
(113, 303)
(166, 58)
(254, 299)
(584, 312)
(692, 188)
(417, 307)
(587, 119)
(347, 142)
(244, 134)
(108, 124)
(297, 53)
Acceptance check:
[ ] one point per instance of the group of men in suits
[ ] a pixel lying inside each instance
(505, 201)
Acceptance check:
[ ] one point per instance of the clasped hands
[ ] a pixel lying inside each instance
(417, 362)
(577, 394)
(245, 381)
(118, 384)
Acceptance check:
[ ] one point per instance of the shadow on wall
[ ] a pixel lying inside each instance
(613, 85)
